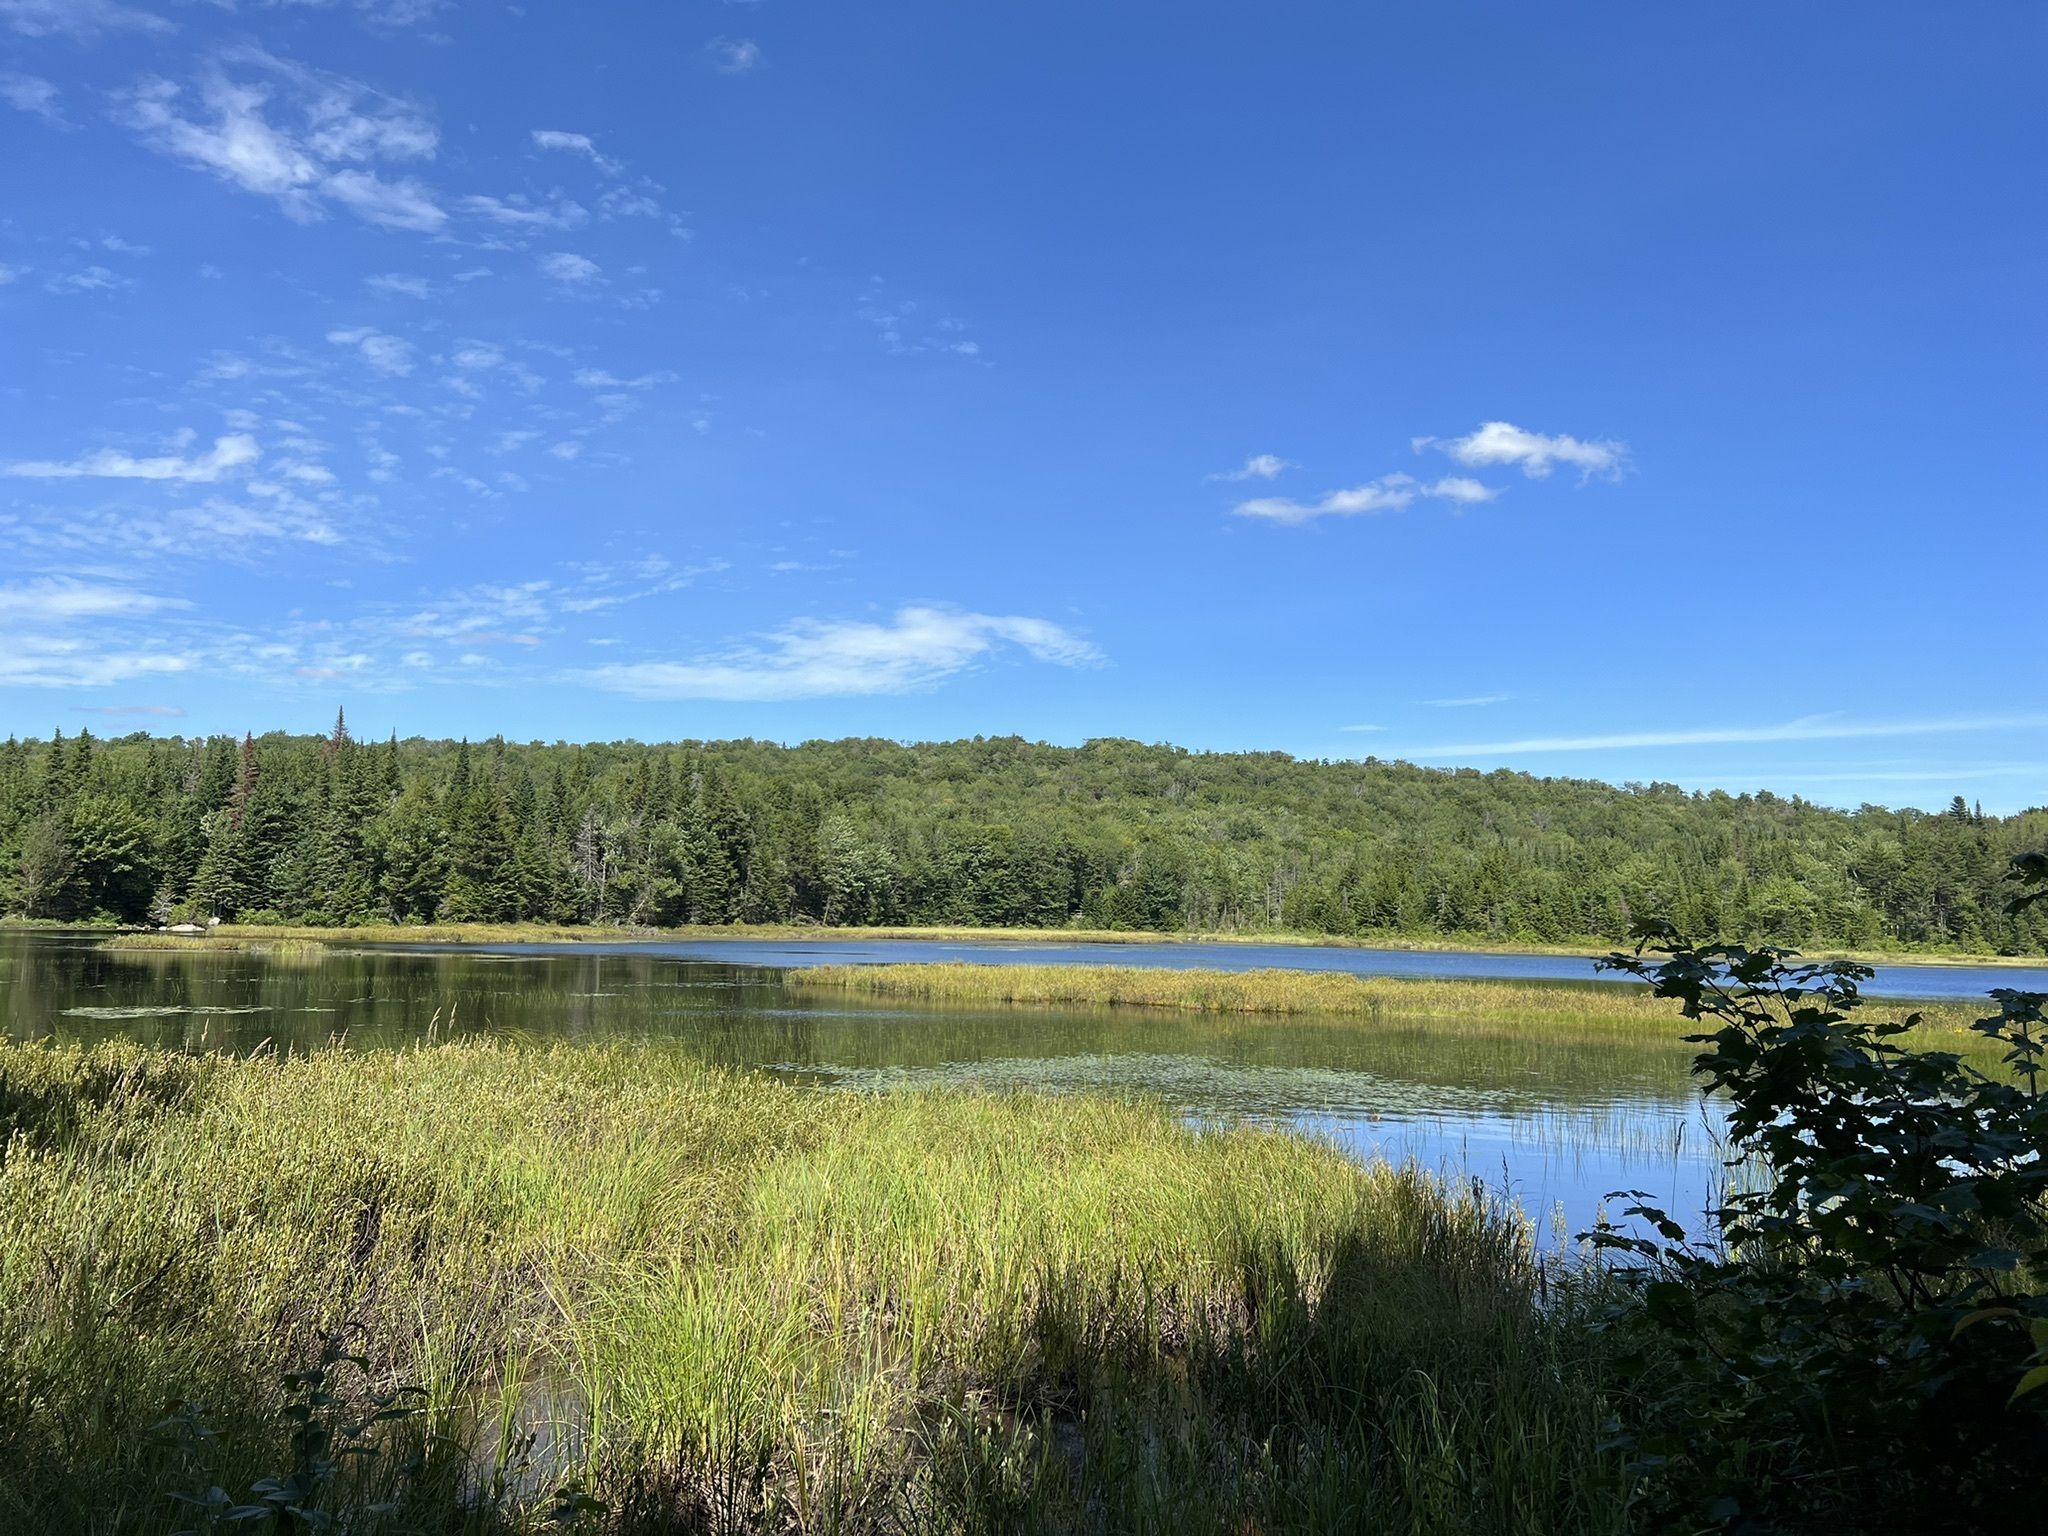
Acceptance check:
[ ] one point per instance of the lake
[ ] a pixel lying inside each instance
(1555, 1116)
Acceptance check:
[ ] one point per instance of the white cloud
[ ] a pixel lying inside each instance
(32, 94)
(385, 354)
(521, 211)
(1260, 466)
(476, 354)
(1470, 701)
(568, 267)
(62, 600)
(11, 274)
(597, 378)
(402, 204)
(810, 658)
(1501, 442)
(1807, 728)
(1389, 493)
(80, 19)
(400, 284)
(45, 661)
(1461, 489)
(120, 711)
(575, 144)
(86, 280)
(341, 126)
(735, 55)
(227, 454)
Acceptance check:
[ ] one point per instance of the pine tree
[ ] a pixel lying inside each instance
(412, 850)
(246, 776)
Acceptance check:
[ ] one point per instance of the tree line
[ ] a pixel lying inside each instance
(994, 832)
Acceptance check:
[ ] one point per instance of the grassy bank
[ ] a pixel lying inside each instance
(1280, 992)
(535, 933)
(716, 1303)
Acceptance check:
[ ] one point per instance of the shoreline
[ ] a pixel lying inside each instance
(546, 933)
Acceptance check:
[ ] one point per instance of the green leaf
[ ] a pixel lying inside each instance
(2033, 1381)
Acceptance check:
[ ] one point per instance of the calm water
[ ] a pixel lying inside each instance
(1557, 1116)
(1921, 982)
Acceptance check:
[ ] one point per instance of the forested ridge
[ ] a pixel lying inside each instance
(987, 832)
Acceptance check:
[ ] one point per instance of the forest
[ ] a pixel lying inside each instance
(996, 832)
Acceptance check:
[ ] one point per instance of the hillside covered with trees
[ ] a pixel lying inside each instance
(999, 832)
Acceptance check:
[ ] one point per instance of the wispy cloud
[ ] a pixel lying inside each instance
(598, 378)
(1260, 466)
(575, 144)
(735, 55)
(227, 454)
(385, 354)
(34, 95)
(64, 600)
(121, 711)
(1389, 493)
(94, 279)
(1807, 728)
(1469, 701)
(81, 19)
(59, 632)
(570, 268)
(313, 153)
(400, 284)
(1461, 489)
(1502, 443)
(809, 658)
(519, 211)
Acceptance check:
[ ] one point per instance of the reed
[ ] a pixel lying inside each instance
(1281, 992)
(713, 1302)
(233, 943)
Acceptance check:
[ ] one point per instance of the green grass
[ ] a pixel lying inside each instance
(1281, 992)
(720, 1303)
(234, 943)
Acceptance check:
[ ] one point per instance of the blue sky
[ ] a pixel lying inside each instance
(1605, 390)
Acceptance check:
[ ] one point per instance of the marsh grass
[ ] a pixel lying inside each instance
(714, 1302)
(201, 943)
(1280, 992)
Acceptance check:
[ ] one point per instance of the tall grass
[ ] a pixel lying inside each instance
(713, 1302)
(1274, 992)
(215, 942)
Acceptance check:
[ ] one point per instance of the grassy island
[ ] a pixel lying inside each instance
(1278, 992)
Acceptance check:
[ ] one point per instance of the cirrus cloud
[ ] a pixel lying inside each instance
(227, 454)
(810, 658)
(301, 138)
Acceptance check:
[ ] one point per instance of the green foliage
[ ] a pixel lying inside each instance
(986, 833)
(1860, 1344)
